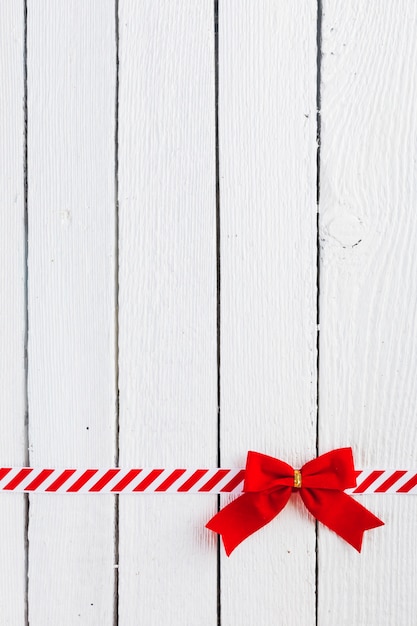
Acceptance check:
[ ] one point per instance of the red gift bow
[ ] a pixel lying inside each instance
(269, 483)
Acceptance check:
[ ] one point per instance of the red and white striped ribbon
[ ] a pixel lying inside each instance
(115, 480)
(385, 481)
(147, 480)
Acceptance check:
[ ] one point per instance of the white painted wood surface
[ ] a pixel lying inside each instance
(12, 307)
(267, 99)
(123, 299)
(167, 305)
(368, 351)
(72, 395)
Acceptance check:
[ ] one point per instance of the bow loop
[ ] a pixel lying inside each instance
(269, 483)
(333, 470)
(264, 472)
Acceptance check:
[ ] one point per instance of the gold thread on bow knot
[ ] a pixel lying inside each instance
(297, 479)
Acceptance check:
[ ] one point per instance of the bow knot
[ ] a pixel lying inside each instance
(321, 482)
(298, 479)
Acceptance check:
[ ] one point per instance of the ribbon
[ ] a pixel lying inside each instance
(269, 483)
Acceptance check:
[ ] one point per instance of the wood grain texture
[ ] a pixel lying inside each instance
(368, 287)
(12, 306)
(167, 299)
(167, 303)
(71, 87)
(267, 97)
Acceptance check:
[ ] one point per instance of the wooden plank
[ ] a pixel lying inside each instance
(267, 120)
(368, 354)
(71, 87)
(12, 307)
(167, 303)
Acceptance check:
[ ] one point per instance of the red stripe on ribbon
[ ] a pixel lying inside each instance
(40, 478)
(98, 486)
(83, 479)
(390, 481)
(62, 478)
(153, 475)
(368, 481)
(234, 482)
(194, 478)
(4, 471)
(20, 476)
(122, 484)
(208, 486)
(170, 480)
(408, 485)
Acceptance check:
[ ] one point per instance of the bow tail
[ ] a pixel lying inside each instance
(247, 514)
(340, 513)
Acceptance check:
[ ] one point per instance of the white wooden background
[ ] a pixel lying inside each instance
(160, 285)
